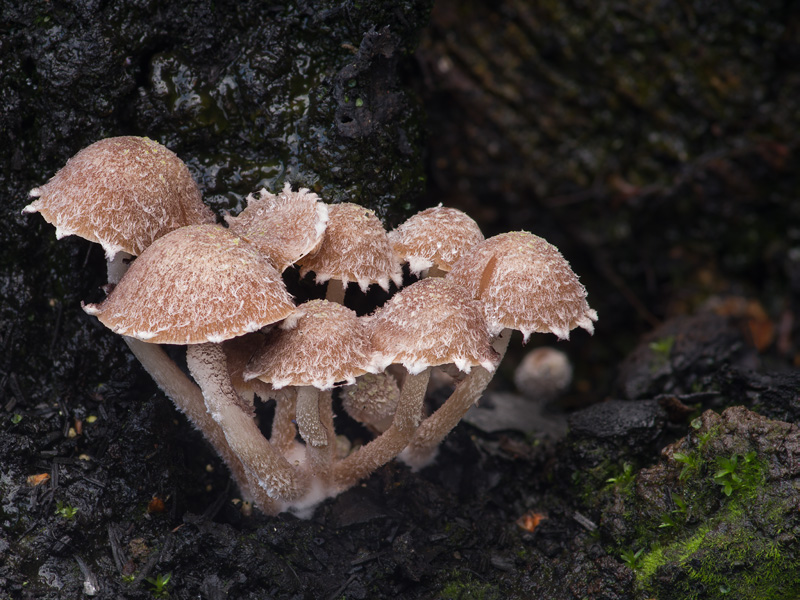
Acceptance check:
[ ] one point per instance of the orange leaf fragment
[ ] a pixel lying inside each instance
(530, 520)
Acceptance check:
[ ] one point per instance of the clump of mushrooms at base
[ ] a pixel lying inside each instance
(218, 290)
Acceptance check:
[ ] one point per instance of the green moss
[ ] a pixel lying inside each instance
(724, 561)
(463, 586)
(596, 484)
(707, 545)
(661, 350)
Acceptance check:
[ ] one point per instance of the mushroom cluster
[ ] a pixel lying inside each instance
(219, 291)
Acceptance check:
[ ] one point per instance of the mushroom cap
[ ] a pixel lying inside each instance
(355, 247)
(197, 284)
(123, 193)
(432, 322)
(524, 283)
(285, 227)
(372, 400)
(436, 236)
(320, 344)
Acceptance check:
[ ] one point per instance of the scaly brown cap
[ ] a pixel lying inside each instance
(524, 283)
(432, 322)
(320, 344)
(355, 247)
(436, 236)
(123, 193)
(285, 227)
(197, 284)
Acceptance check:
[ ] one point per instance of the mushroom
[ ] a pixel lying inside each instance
(354, 248)
(543, 374)
(521, 282)
(431, 322)
(432, 241)
(200, 285)
(319, 346)
(123, 193)
(524, 283)
(285, 227)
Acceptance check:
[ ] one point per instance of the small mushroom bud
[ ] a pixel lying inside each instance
(543, 374)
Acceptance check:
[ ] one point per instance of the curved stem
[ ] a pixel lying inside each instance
(422, 449)
(264, 465)
(187, 398)
(391, 442)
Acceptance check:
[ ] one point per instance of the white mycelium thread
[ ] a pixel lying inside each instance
(123, 193)
(355, 247)
(524, 283)
(196, 284)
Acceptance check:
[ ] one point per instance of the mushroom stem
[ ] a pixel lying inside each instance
(319, 459)
(188, 398)
(117, 266)
(263, 464)
(284, 430)
(391, 442)
(308, 420)
(336, 291)
(422, 449)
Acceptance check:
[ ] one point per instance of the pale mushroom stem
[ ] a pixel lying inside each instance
(284, 430)
(335, 291)
(117, 266)
(319, 459)
(391, 442)
(188, 398)
(308, 420)
(422, 449)
(264, 465)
